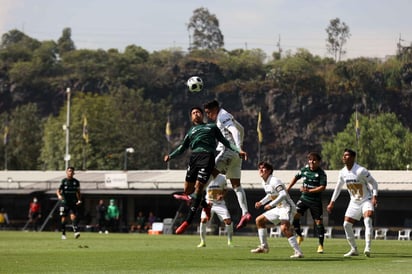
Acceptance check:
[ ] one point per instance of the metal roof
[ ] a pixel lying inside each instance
(173, 179)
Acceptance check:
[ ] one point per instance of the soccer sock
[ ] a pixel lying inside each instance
(368, 232)
(296, 225)
(241, 197)
(202, 229)
(321, 233)
(63, 227)
(263, 237)
(193, 207)
(75, 227)
(350, 236)
(294, 244)
(229, 232)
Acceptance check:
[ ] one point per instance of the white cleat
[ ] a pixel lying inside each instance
(63, 237)
(352, 252)
(260, 249)
(77, 235)
(367, 252)
(297, 255)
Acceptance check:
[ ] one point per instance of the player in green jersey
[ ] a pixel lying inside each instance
(202, 140)
(69, 195)
(314, 183)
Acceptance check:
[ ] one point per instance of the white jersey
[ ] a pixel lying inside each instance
(360, 184)
(276, 193)
(230, 128)
(216, 189)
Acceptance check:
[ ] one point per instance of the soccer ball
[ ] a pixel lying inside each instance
(195, 84)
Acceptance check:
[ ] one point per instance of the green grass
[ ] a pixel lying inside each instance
(45, 252)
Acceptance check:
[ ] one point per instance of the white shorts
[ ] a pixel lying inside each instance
(229, 163)
(278, 214)
(356, 210)
(220, 210)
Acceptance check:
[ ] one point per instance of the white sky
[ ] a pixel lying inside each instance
(375, 25)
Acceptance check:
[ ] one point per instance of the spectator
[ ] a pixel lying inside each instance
(34, 213)
(4, 218)
(140, 223)
(150, 220)
(113, 216)
(101, 211)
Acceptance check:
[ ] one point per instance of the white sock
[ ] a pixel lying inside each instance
(229, 231)
(350, 236)
(241, 198)
(368, 232)
(294, 244)
(203, 231)
(263, 237)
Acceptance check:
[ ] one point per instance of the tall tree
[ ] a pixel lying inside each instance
(65, 42)
(338, 34)
(205, 29)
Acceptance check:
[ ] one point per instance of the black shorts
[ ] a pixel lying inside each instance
(66, 210)
(315, 207)
(200, 167)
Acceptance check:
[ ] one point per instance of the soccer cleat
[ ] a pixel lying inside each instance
(202, 244)
(297, 255)
(367, 252)
(352, 252)
(243, 221)
(207, 210)
(230, 244)
(299, 239)
(63, 237)
(182, 227)
(77, 235)
(183, 197)
(106, 232)
(320, 249)
(260, 249)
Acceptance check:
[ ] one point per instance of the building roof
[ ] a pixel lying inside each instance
(396, 180)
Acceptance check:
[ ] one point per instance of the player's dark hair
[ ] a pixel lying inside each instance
(350, 151)
(211, 105)
(70, 167)
(266, 165)
(315, 155)
(196, 107)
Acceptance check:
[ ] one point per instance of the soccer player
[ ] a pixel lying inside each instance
(314, 183)
(34, 213)
(363, 192)
(216, 191)
(227, 161)
(201, 139)
(279, 208)
(69, 195)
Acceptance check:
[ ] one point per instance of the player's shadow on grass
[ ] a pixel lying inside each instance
(317, 259)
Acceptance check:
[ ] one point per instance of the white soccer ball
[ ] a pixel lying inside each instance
(195, 84)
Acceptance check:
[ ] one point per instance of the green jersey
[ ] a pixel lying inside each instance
(312, 179)
(202, 138)
(69, 189)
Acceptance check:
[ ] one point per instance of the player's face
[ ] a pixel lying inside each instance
(211, 114)
(348, 159)
(197, 116)
(313, 163)
(70, 173)
(263, 172)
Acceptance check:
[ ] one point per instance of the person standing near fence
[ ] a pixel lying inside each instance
(34, 213)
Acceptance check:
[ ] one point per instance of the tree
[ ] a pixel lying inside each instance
(65, 42)
(205, 29)
(384, 143)
(338, 34)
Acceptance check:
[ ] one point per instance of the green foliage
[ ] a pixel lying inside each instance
(338, 34)
(384, 143)
(205, 29)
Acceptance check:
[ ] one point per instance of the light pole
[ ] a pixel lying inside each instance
(66, 127)
(127, 150)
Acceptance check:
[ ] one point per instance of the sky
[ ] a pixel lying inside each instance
(376, 27)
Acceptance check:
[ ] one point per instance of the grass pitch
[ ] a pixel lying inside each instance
(45, 252)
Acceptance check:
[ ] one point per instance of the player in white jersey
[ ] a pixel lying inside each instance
(363, 191)
(279, 207)
(227, 162)
(215, 193)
